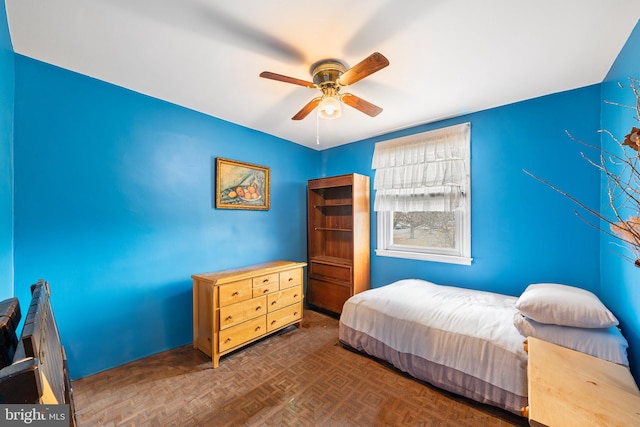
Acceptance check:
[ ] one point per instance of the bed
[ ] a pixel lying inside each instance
(464, 341)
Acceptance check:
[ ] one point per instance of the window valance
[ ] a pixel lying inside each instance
(422, 172)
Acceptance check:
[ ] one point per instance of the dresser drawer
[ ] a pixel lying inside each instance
(284, 316)
(242, 333)
(234, 292)
(284, 298)
(267, 279)
(236, 313)
(291, 278)
(265, 289)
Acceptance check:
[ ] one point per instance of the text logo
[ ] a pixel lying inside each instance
(34, 415)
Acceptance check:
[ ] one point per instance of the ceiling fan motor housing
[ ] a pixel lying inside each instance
(326, 73)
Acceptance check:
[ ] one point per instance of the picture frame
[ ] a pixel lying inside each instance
(241, 185)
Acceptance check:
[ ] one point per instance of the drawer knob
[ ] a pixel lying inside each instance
(257, 328)
(235, 294)
(295, 313)
(265, 281)
(291, 279)
(229, 318)
(266, 291)
(295, 295)
(273, 322)
(227, 340)
(258, 308)
(274, 302)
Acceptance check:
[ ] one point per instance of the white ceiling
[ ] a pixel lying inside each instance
(448, 57)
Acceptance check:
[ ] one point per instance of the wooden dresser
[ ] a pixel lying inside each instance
(232, 308)
(568, 388)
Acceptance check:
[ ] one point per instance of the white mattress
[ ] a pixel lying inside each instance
(469, 333)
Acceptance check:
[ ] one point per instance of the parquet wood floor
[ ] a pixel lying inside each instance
(302, 377)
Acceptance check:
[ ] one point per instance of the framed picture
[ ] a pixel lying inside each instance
(241, 185)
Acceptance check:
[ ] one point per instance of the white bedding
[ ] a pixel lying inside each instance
(469, 331)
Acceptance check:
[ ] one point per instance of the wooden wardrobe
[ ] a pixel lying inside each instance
(338, 239)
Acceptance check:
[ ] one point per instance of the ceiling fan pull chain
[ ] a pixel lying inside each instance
(317, 130)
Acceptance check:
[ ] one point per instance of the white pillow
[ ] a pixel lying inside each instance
(565, 306)
(605, 343)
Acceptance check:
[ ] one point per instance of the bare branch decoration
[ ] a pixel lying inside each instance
(622, 171)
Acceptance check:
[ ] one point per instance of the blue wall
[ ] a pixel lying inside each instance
(620, 282)
(522, 231)
(114, 207)
(7, 84)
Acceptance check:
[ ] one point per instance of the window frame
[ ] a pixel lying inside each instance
(461, 255)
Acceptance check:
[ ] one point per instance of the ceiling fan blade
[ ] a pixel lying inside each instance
(374, 62)
(286, 79)
(360, 104)
(307, 109)
(238, 32)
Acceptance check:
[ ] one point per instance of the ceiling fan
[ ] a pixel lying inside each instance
(330, 75)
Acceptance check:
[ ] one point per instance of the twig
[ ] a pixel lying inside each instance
(622, 172)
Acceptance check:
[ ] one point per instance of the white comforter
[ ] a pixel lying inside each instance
(470, 331)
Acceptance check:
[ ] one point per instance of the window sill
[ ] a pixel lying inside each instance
(449, 259)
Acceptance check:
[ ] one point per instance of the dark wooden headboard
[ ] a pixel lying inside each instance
(38, 374)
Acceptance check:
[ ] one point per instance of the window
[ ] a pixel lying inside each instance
(422, 196)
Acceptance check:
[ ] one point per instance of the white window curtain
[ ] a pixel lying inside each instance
(423, 172)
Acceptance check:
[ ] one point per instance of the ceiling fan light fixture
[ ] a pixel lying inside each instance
(329, 108)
